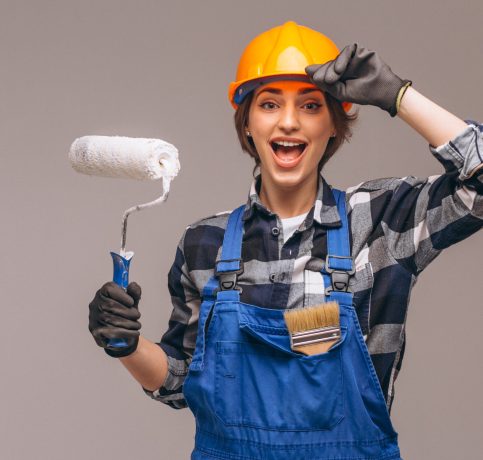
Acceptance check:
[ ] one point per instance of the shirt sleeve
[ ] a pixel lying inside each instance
(428, 215)
(179, 340)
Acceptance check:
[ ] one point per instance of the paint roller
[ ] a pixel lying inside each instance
(126, 158)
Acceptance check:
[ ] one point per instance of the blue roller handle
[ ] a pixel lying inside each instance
(121, 278)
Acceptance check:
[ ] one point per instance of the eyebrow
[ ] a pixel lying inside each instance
(308, 90)
(279, 91)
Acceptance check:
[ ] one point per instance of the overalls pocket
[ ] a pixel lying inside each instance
(262, 383)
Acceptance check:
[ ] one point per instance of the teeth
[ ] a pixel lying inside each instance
(289, 144)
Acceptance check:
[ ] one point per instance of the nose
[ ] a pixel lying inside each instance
(289, 120)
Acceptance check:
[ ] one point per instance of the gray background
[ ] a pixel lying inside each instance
(159, 69)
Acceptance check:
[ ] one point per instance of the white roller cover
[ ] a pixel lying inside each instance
(125, 157)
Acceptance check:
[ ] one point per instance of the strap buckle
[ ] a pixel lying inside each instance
(228, 278)
(339, 278)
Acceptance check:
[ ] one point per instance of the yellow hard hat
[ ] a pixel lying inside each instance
(282, 51)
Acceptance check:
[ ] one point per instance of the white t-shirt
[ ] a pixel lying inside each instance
(290, 224)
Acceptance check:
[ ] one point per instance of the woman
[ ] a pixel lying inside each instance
(298, 242)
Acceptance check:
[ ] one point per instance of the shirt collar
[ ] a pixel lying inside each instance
(324, 211)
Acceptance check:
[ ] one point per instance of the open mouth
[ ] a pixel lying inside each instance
(287, 154)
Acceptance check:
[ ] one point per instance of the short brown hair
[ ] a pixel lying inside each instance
(342, 120)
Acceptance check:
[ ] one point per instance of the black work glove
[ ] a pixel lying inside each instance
(361, 76)
(114, 314)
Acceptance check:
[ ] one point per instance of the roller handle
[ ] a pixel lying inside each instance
(121, 278)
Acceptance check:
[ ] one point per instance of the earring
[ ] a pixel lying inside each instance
(248, 133)
(333, 135)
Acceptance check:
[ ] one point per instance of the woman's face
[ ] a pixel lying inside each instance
(290, 125)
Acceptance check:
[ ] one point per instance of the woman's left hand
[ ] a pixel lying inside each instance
(361, 76)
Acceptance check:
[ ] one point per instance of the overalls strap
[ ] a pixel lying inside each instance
(232, 243)
(338, 263)
(222, 285)
(230, 265)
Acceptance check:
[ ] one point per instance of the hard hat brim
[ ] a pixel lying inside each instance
(243, 89)
(238, 91)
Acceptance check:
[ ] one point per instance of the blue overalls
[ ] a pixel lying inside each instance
(255, 399)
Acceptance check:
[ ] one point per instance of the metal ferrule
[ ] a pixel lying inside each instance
(324, 334)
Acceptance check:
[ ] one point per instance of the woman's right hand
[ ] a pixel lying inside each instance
(114, 314)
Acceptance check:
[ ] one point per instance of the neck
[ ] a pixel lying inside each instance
(287, 201)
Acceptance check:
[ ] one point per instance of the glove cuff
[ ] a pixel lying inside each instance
(122, 352)
(394, 109)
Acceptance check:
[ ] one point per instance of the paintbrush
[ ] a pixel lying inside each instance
(313, 330)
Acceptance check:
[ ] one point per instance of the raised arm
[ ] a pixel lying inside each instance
(360, 75)
(421, 216)
(435, 124)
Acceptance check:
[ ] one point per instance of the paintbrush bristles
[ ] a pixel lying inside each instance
(304, 319)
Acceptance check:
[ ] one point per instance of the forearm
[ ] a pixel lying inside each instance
(148, 364)
(434, 123)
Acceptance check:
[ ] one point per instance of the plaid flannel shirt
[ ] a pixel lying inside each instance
(397, 227)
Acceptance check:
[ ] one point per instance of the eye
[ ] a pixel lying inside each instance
(312, 106)
(268, 105)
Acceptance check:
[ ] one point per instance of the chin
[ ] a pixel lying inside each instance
(289, 179)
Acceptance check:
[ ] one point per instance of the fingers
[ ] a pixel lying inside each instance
(117, 309)
(109, 312)
(113, 291)
(331, 72)
(107, 319)
(311, 69)
(134, 290)
(342, 61)
(102, 305)
(317, 74)
(329, 75)
(324, 75)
